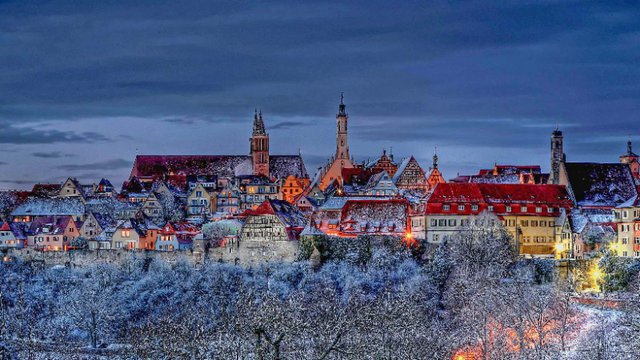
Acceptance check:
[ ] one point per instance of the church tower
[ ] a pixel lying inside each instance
(342, 119)
(557, 156)
(341, 160)
(631, 159)
(259, 146)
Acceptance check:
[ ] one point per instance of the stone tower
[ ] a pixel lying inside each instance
(341, 160)
(259, 146)
(557, 156)
(342, 146)
(631, 159)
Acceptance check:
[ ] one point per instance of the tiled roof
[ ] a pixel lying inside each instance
(500, 193)
(46, 207)
(155, 166)
(597, 184)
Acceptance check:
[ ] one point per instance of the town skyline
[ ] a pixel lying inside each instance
(118, 170)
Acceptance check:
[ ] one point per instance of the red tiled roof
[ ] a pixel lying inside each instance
(5, 227)
(555, 195)
(456, 192)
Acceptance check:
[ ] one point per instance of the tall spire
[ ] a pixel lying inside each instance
(435, 157)
(258, 123)
(342, 106)
(629, 148)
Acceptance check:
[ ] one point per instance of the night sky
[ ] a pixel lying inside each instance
(87, 85)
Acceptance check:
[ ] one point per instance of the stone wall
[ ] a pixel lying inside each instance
(81, 258)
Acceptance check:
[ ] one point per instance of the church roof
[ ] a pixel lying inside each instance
(156, 166)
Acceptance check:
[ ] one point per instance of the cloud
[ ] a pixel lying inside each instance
(287, 125)
(11, 134)
(52, 155)
(3, 163)
(114, 164)
(180, 120)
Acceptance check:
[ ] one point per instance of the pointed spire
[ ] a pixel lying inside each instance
(435, 157)
(629, 148)
(342, 106)
(258, 123)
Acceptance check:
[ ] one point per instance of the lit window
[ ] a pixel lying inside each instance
(538, 209)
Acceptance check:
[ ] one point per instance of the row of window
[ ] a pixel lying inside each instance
(490, 208)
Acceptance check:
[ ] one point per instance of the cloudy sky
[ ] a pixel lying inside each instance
(87, 85)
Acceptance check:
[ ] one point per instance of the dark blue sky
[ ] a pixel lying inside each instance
(86, 85)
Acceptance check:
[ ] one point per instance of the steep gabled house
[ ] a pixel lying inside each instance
(12, 236)
(167, 239)
(410, 176)
(52, 233)
(380, 184)
(200, 203)
(104, 188)
(71, 188)
(152, 207)
(384, 163)
(95, 223)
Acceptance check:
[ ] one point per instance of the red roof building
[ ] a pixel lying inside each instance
(535, 215)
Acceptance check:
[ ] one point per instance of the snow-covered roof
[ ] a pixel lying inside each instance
(156, 166)
(601, 184)
(50, 206)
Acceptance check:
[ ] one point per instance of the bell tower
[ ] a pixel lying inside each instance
(557, 156)
(259, 146)
(342, 119)
(630, 158)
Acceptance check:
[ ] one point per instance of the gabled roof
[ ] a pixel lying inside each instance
(401, 168)
(5, 227)
(289, 215)
(600, 184)
(50, 225)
